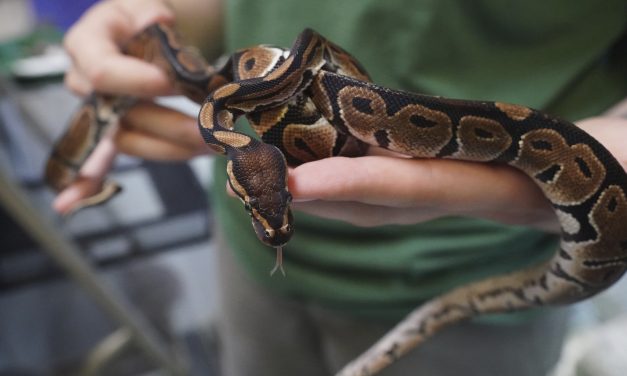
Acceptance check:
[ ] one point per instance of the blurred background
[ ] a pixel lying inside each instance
(126, 288)
(147, 253)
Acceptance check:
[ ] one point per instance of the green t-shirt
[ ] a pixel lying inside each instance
(560, 56)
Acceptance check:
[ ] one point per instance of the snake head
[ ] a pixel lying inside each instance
(258, 176)
(273, 233)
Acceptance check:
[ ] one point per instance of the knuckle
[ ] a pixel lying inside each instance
(96, 75)
(72, 86)
(68, 82)
(70, 41)
(75, 84)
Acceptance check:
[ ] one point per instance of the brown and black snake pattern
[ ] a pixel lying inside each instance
(315, 101)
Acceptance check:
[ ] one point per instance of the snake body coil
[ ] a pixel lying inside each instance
(315, 101)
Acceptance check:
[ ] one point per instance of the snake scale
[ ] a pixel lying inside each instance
(315, 101)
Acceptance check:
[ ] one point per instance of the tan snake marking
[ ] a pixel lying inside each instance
(315, 101)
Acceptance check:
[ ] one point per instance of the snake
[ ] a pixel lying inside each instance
(315, 100)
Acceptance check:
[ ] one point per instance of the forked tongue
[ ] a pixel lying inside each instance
(278, 265)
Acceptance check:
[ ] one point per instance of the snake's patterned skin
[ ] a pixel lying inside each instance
(315, 101)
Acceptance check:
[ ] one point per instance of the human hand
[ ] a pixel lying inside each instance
(148, 130)
(379, 190)
(382, 189)
(94, 45)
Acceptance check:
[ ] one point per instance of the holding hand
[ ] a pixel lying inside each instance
(94, 45)
(148, 130)
(382, 189)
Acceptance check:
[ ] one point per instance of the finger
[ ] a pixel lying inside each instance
(360, 214)
(90, 177)
(161, 122)
(414, 182)
(144, 146)
(368, 179)
(109, 72)
(431, 188)
(76, 83)
(94, 44)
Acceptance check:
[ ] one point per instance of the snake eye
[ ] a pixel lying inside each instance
(267, 233)
(287, 228)
(248, 207)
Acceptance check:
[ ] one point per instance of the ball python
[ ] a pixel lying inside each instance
(315, 100)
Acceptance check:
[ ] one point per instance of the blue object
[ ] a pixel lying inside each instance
(61, 13)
